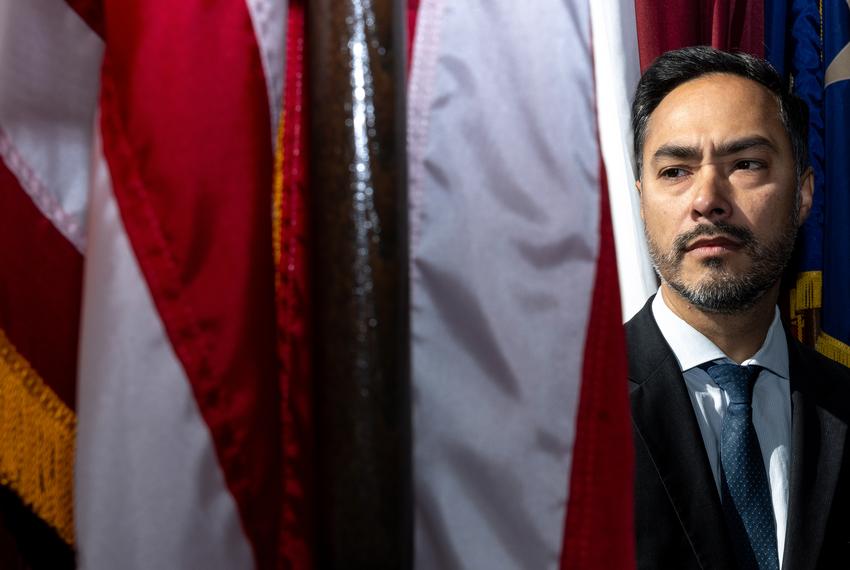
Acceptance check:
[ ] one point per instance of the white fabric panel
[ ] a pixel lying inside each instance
(502, 267)
(49, 76)
(617, 68)
(269, 20)
(149, 489)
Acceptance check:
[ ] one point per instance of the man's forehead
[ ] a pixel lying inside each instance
(715, 109)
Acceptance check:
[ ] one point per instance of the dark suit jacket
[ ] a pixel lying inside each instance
(679, 522)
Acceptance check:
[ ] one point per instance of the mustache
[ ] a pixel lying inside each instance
(719, 229)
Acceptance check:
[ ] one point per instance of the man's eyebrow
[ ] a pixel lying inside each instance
(678, 151)
(692, 153)
(736, 146)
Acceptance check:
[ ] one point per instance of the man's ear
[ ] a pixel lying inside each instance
(807, 188)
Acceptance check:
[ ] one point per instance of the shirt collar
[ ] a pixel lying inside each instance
(692, 348)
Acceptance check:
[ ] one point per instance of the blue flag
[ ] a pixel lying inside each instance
(834, 340)
(807, 42)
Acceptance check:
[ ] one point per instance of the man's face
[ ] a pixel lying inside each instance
(719, 192)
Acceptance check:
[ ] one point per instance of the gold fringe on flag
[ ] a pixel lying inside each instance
(833, 348)
(37, 433)
(808, 290)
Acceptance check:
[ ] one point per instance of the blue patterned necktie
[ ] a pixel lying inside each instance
(744, 491)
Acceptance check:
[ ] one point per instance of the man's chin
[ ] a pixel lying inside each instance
(713, 271)
(721, 294)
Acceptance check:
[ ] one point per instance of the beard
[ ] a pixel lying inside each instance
(720, 289)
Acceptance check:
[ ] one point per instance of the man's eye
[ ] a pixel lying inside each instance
(749, 165)
(673, 173)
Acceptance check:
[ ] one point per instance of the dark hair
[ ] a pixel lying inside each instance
(674, 68)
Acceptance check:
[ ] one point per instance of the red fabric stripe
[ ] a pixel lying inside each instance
(293, 301)
(186, 135)
(41, 277)
(91, 11)
(663, 25)
(599, 531)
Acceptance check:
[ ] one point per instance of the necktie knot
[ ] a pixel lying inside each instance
(737, 381)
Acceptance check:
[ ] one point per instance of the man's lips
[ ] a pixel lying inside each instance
(715, 244)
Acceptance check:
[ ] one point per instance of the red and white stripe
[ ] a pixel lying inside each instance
(178, 440)
(150, 492)
(167, 195)
(45, 147)
(506, 186)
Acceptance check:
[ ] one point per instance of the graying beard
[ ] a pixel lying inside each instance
(726, 293)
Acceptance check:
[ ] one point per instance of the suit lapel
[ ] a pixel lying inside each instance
(817, 449)
(664, 421)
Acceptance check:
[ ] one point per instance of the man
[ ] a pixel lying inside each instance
(739, 430)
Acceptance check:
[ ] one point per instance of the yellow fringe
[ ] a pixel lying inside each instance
(37, 432)
(808, 288)
(833, 348)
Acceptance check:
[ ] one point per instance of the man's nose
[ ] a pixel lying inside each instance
(711, 199)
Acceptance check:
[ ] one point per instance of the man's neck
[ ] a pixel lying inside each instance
(739, 335)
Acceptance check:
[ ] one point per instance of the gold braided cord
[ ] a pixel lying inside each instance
(808, 290)
(833, 348)
(37, 433)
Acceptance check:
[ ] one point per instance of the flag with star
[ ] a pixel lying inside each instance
(809, 44)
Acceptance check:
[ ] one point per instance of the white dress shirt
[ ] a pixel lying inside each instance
(771, 400)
